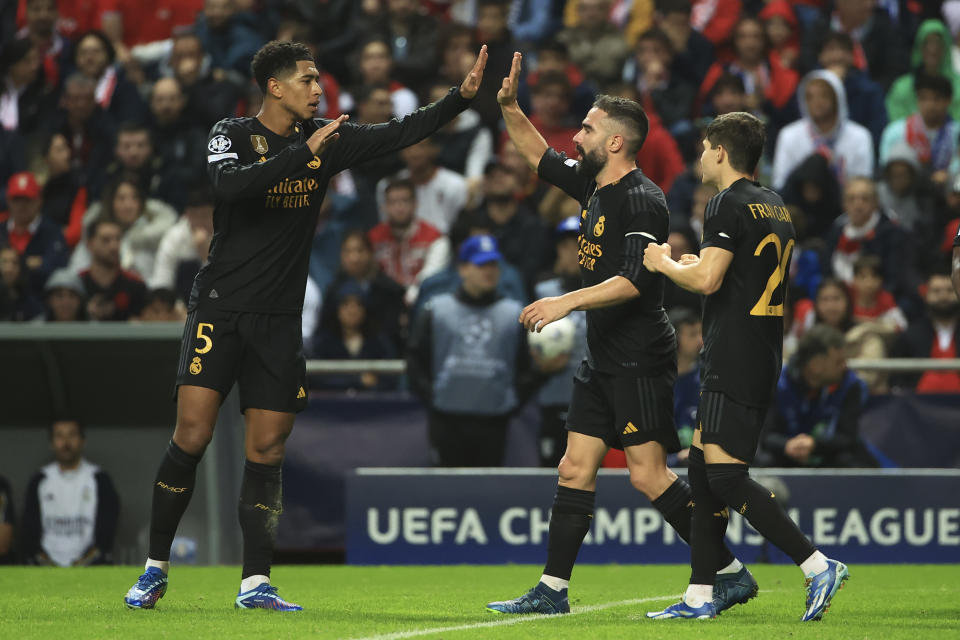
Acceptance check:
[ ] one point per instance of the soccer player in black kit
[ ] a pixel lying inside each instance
(744, 263)
(269, 175)
(623, 391)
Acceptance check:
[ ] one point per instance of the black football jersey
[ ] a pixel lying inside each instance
(268, 191)
(617, 222)
(743, 320)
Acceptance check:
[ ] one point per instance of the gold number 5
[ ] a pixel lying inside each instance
(207, 340)
(763, 306)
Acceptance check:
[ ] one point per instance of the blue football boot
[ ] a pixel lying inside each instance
(731, 589)
(822, 587)
(150, 587)
(540, 599)
(264, 596)
(685, 611)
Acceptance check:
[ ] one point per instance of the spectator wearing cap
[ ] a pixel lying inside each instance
(113, 294)
(441, 193)
(554, 397)
(353, 336)
(184, 247)
(401, 242)
(66, 298)
(520, 234)
(469, 363)
(39, 242)
(17, 302)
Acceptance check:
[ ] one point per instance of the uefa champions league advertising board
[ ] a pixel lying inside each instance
(496, 516)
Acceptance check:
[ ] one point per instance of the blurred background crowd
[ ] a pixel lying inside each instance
(106, 105)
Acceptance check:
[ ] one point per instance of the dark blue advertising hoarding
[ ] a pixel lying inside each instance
(494, 516)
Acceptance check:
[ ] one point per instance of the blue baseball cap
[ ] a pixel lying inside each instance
(568, 225)
(479, 250)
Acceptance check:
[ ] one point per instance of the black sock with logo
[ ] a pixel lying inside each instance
(172, 490)
(676, 506)
(260, 507)
(708, 553)
(732, 484)
(569, 523)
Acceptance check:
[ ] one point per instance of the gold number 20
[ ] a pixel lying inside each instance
(207, 340)
(763, 306)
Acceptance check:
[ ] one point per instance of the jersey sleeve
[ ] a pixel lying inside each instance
(360, 143)
(647, 223)
(559, 170)
(721, 225)
(235, 179)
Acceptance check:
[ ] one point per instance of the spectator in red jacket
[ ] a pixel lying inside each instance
(871, 302)
(935, 336)
(768, 84)
(715, 19)
(401, 242)
(782, 29)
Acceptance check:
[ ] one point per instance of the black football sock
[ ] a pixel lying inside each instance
(756, 503)
(676, 505)
(172, 489)
(260, 508)
(569, 523)
(708, 553)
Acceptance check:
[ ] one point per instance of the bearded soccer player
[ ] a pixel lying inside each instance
(744, 262)
(269, 175)
(623, 391)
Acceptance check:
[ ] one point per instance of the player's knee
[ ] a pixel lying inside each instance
(571, 472)
(648, 479)
(727, 481)
(267, 450)
(193, 435)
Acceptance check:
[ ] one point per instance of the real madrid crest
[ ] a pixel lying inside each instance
(598, 228)
(196, 367)
(259, 144)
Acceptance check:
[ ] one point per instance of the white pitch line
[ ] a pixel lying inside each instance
(517, 619)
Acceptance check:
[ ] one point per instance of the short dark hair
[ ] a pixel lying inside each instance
(742, 135)
(657, 34)
(666, 7)
(357, 232)
(728, 82)
(401, 183)
(868, 262)
(104, 40)
(362, 93)
(937, 83)
(132, 126)
(98, 222)
(817, 341)
(80, 428)
(165, 296)
(553, 46)
(552, 79)
(682, 316)
(106, 199)
(277, 58)
(629, 115)
(838, 38)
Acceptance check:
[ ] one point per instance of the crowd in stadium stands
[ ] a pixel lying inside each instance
(107, 214)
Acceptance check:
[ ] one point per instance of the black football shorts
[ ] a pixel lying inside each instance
(261, 352)
(734, 426)
(622, 410)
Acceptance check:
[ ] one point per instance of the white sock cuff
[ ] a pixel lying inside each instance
(557, 584)
(698, 595)
(816, 563)
(163, 565)
(253, 582)
(733, 567)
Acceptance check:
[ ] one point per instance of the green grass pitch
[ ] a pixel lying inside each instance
(882, 602)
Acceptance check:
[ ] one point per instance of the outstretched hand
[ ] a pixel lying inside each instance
(322, 137)
(472, 82)
(508, 90)
(535, 316)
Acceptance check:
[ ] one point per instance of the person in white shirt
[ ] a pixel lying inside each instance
(187, 241)
(441, 193)
(825, 127)
(71, 506)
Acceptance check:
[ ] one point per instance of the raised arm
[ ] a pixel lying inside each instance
(525, 136)
(235, 181)
(365, 142)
